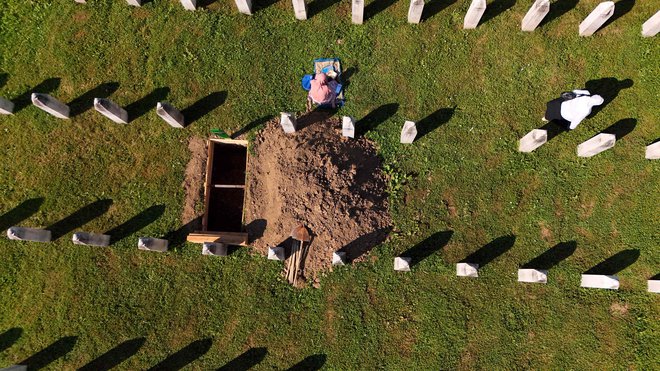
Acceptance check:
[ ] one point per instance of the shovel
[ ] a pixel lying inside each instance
(301, 234)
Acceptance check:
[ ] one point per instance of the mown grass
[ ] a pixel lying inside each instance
(464, 176)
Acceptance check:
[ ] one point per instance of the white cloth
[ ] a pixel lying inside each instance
(576, 110)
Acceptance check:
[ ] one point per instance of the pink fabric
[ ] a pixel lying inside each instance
(322, 91)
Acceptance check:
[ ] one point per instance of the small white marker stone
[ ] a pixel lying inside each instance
(535, 15)
(474, 13)
(288, 122)
(467, 270)
(189, 4)
(28, 234)
(532, 275)
(134, 2)
(338, 258)
(276, 253)
(653, 286)
(596, 145)
(409, 132)
(171, 115)
(533, 140)
(652, 26)
(91, 239)
(51, 105)
(111, 110)
(244, 6)
(300, 9)
(348, 126)
(599, 281)
(81, 1)
(357, 10)
(6, 107)
(415, 11)
(653, 151)
(402, 264)
(597, 18)
(215, 249)
(152, 244)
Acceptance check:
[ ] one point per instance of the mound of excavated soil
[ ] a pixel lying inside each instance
(331, 184)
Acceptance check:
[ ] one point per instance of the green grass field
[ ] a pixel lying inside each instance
(479, 90)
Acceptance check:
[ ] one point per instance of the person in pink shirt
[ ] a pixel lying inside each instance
(323, 91)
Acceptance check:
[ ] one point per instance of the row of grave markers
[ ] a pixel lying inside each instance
(105, 106)
(528, 143)
(537, 12)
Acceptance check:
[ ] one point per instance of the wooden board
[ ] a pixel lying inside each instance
(229, 238)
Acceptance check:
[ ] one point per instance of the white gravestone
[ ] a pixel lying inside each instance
(300, 9)
(244, 6)
(134, 2)
(152, 244)
(91, 239)
(6, 107)
(415, 11)
(653, 286)
(51, 105)
(339, 258)
(288, 122)
(348, 127)
(357, 10)
(402, 264)
(474, 13)
(652, 26)
(215, 249)
(81, 1)
(532, 275)
(599, 281)
(409, 132)
(653, 151)
(171, 115)
(597, 18)
(535, 15)
(28, 234)
(15, 368)
(596, 145)
(467, 270)
(533, 140)
(111, 110)
(189, 4)
(276, 253)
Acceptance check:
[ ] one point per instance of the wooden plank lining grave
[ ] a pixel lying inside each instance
(224, 193)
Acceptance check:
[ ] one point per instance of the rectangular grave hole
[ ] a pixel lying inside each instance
(225, 209)
(229, 163)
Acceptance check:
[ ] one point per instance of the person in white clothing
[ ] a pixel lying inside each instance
(571, 108)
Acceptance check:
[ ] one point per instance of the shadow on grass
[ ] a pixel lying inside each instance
(50, 354)
(85, 102)
(557, 9)
(203, 106)
(311, 363)
(608, 88)
(434, 7)
(184, 356)
(9, 337)
(204, 3)
(258, 5)
(491, 250)
(615, 263)
(427, 247)
(621, 128)
(3, 79)
(114, 356)
(434, 121)
(79, 218)
(317, 6)
(374, 118)
(145, 104)
(20, 213)
(45, 87)
(375, 7)
(552, 257)
(365, 243)
(553, 129)
(246, 361)
(254, 124)
(136, 223)
(621, 8)
(346, 76)
(496, 8)
(178, 238)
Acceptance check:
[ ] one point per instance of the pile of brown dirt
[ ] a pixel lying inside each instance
(331, 184)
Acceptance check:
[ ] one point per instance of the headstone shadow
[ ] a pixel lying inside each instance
(9, 337)
(553, 129)
(21, 212)
(608, 88)
(365, 243)
(434, 121)
(552, 257)
(656, 277)
(621, 128)
(615, 263)
(491, 251)
(3, 79)
(317, 6)
(427, 247)
(79, 218)
(258, 5)
(245, 361)
(496, 8)
(205, 3)
(311, 363)
(50, 354)
(185, 356)
(203, 106)
(254, 124)
(621, 8)
(375, 7)
(147, 103)
(557, 9)
(136, 223)
(434, 7)
(85, 102)
(376, 117)
(114, 356)
(178, 237)
(256, 229)
(45, 87)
